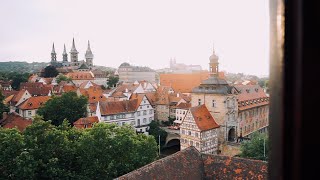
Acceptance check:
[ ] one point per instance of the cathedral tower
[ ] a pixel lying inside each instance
(74, 54)
(64, 55)
(53, 54)
(89, 56)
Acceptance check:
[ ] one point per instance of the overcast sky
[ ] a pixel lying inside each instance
(141, 32)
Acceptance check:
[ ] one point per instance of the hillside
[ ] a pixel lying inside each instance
(23, 67)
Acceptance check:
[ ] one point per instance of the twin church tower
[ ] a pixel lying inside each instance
(74, 63)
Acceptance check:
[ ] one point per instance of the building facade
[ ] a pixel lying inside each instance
(220, 100)
(128, 73)
(136, 112)
(253, 105)
(200, 130)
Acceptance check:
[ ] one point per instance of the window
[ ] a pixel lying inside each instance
(132, 114)
(213, 103)
(29, 113)
(123, 116)
(196, 134)
(147, 106)
(150, 111)
(189, 133)
(144, 120)
(123, 123)
(182, 132)
(138, 123)
(138, 113)
(199, 101)
(150, 119)
(118, 116)
(144, 112)
(140, 107)
(191, 143)
(197, 144)
(133, 123)
(111, 117)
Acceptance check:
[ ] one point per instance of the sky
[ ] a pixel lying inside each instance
(141, 32)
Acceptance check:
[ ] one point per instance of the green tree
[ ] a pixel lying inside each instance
(256, 148)
(3, 107)
(155, 131)
(50, 71)
(45, 151)
(107, 151)
(63, 78)
(112, 81)
(68, 106)
(11, 145)
(17, 78)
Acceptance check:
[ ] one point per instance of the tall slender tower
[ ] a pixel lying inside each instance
(65, 54)
(53, 54)
(214, 64)
(74, 54)
(89, 56)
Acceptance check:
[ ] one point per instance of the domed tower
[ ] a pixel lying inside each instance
(74, 54)
(64, 54)
(53, 55)
(89, 56)
(214, 64)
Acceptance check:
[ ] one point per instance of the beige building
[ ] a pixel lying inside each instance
(28, 109)
(220, 100)
(128, 73)
(200, 130)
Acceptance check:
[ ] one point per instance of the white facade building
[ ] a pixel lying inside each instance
(136, 112)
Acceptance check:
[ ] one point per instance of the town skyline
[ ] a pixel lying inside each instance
(186, 33)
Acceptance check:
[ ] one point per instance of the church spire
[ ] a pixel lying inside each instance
(53, 54)
(73, 49)
(89, 56)
(64, 54)
(74, 54)
(53, 50)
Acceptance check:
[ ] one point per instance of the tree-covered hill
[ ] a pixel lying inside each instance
(22, 67)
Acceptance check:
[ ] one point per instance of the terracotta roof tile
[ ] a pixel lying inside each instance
(8, 99)
(190, 164)
(34, 102)
(18, 96)
(251, 96)
(81, 75)
(86, 122)
(13, 120)
(203, 118)
(183, 82)
(116, 107)
(184, 105)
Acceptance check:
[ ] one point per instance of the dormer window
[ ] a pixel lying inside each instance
(30, 104)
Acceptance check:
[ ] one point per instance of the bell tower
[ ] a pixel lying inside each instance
(214, 65)
(89, 56)
(53, 54)
(74, 54)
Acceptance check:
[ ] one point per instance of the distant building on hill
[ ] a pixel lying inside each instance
(129, 73)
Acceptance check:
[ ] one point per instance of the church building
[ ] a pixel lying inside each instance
(74, 63)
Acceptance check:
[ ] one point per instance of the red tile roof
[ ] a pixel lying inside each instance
(86, 122)
(18, 96)
(203, 118)
(251, 96)
(13, 120)
(7, 93)
(8, 99)
(183, 82)
(82, 85)
(116, 107)
(81, 75)
(34, 102)
(183, 105)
